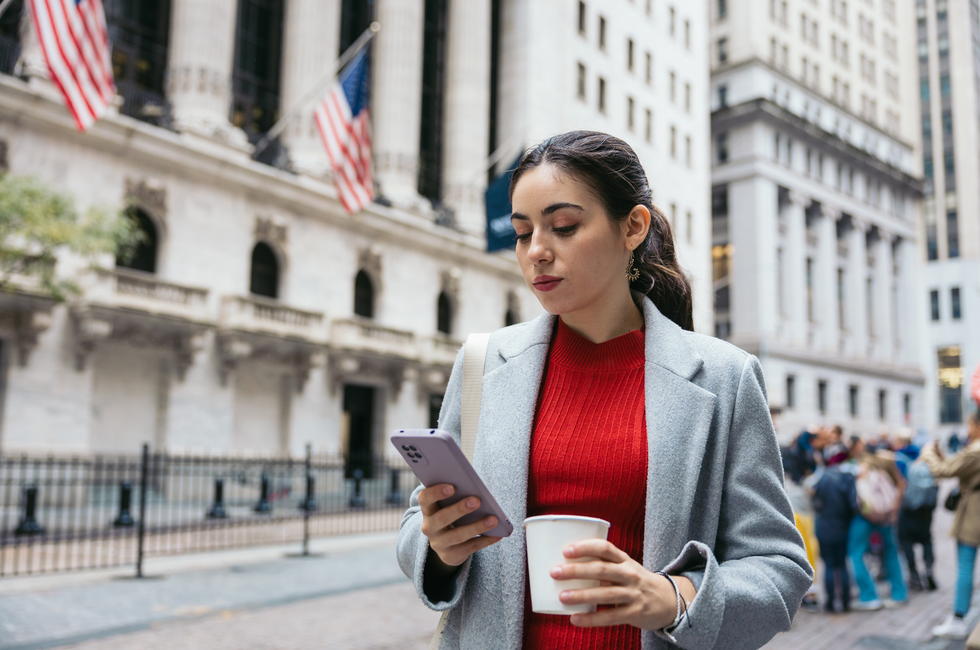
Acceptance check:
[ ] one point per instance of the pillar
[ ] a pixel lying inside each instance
(311, 42)
(31, 62)
(884, 280)
(202, 51)
(467, 111)
(857, 298)
(795, 289)
(828, 314)
(753, 205)
(906, 353)
(397, 98)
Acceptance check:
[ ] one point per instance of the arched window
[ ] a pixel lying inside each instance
(144, 258)
(265, 271)
(363, 295)
(444, 314)
(510, 318)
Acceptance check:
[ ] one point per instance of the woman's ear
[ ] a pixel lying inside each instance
(636, 225)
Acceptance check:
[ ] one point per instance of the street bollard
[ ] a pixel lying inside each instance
(217, 510)
(356, 499)
(125, 519)
(309, 504)
(395, 495)
(28, 523)
(263, 507)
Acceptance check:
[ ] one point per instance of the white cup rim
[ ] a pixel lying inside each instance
(595, 520)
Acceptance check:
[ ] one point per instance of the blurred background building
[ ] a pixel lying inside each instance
(948, 58)
(258, 316)
(815, 187)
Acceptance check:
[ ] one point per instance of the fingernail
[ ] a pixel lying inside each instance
(563, 596)
(556, 572)
(569, 551)
(471, 503)
(576, 619)
(490, 522)
(448, 490)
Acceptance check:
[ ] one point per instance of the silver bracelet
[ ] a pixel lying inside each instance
(681, 606)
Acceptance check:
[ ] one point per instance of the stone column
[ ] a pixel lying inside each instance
(202, 51)
(753, 206)
(795, 288)
(311, 40)
(884, 279)
(467, 111)
(397, 98)
(828, 315)
(905, 348)
(31, 62)
(857, 298)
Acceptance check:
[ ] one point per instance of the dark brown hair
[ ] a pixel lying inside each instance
(612, 171)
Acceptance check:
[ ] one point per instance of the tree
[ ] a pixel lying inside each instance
(37, 223)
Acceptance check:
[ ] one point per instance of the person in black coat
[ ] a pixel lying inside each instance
(835, 501)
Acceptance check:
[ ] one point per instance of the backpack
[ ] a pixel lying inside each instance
(876, 494)
(922, 493)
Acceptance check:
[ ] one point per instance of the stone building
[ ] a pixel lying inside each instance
(258, 316)
(815, 183)
(948, 56)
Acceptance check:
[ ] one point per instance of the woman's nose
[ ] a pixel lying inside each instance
(538, 252)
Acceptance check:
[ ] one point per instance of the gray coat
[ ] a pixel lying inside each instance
(716, 509)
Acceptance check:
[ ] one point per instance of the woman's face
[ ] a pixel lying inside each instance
(572, 255)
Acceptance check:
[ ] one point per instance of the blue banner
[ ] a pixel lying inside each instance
(500, 231)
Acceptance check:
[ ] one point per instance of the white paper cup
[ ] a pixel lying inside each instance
(547, 536)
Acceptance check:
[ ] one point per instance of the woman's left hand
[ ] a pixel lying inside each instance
(637, 596)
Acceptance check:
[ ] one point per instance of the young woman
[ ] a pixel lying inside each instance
(610, 406)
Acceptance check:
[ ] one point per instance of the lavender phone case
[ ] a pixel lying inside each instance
(436, 458)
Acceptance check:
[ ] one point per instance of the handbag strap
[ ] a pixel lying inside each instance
(474, 361)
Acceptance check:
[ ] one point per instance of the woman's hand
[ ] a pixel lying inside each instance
(452, 545)
(638, 597)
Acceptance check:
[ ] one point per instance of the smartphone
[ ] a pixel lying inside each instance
(436, 458)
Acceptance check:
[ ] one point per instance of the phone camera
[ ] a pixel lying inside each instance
(412, 447)
(405, 447)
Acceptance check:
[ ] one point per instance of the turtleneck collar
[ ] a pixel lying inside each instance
(571, 350)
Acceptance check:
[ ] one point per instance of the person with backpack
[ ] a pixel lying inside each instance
(834, 498)
(964, 466)
(878, 489)
(915, 520)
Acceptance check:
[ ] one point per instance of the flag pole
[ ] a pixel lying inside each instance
(317, 88)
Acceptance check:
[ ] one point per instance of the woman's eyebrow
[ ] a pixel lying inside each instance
(554, 207)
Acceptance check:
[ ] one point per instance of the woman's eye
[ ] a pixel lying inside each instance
(522, 237)
(565, 230)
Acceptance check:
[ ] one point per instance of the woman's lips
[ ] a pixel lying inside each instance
(546, 282)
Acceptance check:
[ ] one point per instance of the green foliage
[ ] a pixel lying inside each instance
(37, 223)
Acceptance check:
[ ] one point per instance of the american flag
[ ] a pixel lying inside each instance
(343, 121)
(75, 43)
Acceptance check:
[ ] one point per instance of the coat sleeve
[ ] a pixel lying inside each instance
(753, 580)
(413, 546)
(963, 465)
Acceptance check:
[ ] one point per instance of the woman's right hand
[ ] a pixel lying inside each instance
(452, 545)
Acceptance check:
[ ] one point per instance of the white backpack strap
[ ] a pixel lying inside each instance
(474, 360)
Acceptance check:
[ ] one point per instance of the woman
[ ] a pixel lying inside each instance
(609, 406)
(966, 522)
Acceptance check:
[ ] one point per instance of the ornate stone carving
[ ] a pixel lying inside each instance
(148, 196)
(268, 229)
(797, 198)
(449, 282)
(369, 259)
(89, 332)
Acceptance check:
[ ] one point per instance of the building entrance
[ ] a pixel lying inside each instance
(359, 408)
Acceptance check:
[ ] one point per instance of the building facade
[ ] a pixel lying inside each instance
(815, 185)
(257, 316)
(948, 56)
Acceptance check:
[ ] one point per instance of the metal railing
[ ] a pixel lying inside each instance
(144, 105)
(66, 514)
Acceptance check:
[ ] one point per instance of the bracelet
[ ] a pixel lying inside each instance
(681, 607)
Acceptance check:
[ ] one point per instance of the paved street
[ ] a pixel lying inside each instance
(352, 597)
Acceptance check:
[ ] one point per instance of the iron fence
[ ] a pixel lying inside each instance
(65, 514)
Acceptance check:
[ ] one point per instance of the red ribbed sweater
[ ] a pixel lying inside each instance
(589, 457)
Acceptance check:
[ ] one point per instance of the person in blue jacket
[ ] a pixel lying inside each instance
(835, 502)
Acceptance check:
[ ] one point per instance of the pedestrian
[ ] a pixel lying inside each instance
(834, 498)
(879, 487)
(915, 517)
(964, 466)
(610, 406)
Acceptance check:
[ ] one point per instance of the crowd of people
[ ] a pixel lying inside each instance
(864, 504)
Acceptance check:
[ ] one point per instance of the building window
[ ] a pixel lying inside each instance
(511, 318)
(687, 34)
(907, 406)
(689, 226)
(434, 52)
(265, 272)
(721, 147)
(629, 54)
(140, 36)
(852, 400)
(673, 21)
(952, 233)
(10, 37)
(722, 50)
(722, 8)
(602, 95)
(363, 295)
(648, 130)
(673, 87)
(722, 96)
(649, 68)
(581, 17)
(255, 78)
(144, 257)
(790, 391)
(841, 311)
(934, 304)
(950, 376)
(435, 405)
(602, 32)
(444, 313)
(809, 289)
(629, 112)
(673, 142)
(687, 150)
(932, 242)
(822, 396)
(882, 405)
(954, 298)
(581, 81)
(687, 97)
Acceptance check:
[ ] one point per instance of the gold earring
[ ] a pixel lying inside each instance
(633, 274)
